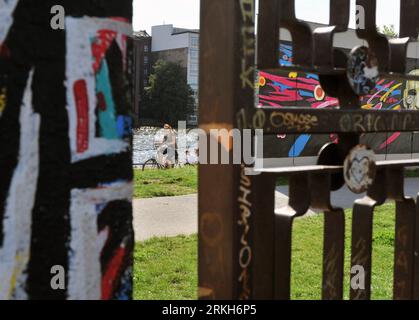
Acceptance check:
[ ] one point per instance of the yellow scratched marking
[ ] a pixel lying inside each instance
(20, 263)
(367, 106)
(291, 121)
(293, 75)
(385, 96)
(2, 100)
(207, 127)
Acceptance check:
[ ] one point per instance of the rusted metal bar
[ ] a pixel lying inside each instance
(299, 203)
(305, 120)
(334, 236)
(300, 32)
(404, 235)
(333, 254)
(297, 170)
(263, 237)
(409, 22)
(362, 222)
(269, 30)
(336, 168)
(244, 247)
(323, 52)
(397, 56)
(404, 250)
(362, 219)
(217, 199)
(416, 251)
(225, 204)
(368, 32)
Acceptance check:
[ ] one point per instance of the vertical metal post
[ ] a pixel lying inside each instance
(225, 204)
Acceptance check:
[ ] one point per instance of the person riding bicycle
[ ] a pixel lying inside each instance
(167, 152)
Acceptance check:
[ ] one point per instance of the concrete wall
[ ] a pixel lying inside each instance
(65, 160)
(164, 40)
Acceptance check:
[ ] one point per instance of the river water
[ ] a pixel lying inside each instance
(146, 139)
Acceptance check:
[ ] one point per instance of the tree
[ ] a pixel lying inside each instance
(168, 98)
(389, 31)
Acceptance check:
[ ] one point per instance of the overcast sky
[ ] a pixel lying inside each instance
(185, 13)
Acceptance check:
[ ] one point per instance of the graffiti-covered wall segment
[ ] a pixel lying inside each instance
(65, 159)
(300, 89)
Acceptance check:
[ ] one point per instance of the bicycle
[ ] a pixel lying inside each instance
(160, 159)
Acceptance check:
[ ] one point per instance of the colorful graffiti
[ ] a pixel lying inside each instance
(66, 182)
(298, 89)
(6, 9)
(101, 123)
(294, 89)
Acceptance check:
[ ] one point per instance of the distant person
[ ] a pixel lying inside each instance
(169, 146)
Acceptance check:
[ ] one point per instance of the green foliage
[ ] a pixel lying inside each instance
(388, 31)
(169, 98)
(166, 269)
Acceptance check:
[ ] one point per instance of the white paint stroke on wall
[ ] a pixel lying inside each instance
(15, 253)
(79, 66)
(6, 19)
(86, 243)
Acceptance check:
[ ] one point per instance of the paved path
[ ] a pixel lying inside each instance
(172, 216)
(167, 216)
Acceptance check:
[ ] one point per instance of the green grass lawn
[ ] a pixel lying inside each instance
(172, 182)
(182, 181)
(307, 255)
(167, 268)
(165, 183)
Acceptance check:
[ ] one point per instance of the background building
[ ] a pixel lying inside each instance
(143, 67)
(170, 44)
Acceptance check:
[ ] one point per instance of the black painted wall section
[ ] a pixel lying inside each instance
(31, 44)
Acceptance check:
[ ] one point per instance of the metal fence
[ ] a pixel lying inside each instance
(244, 243)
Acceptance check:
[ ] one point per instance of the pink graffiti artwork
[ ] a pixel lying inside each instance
(293, 89)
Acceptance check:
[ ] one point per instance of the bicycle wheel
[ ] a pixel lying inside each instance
(152, 164)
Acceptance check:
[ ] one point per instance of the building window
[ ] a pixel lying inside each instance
(194, 54)
(195, 42)
(193, 80)
(145, 82)
(145, 48)
(146, 72)
(194, 68)
(145, 59)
